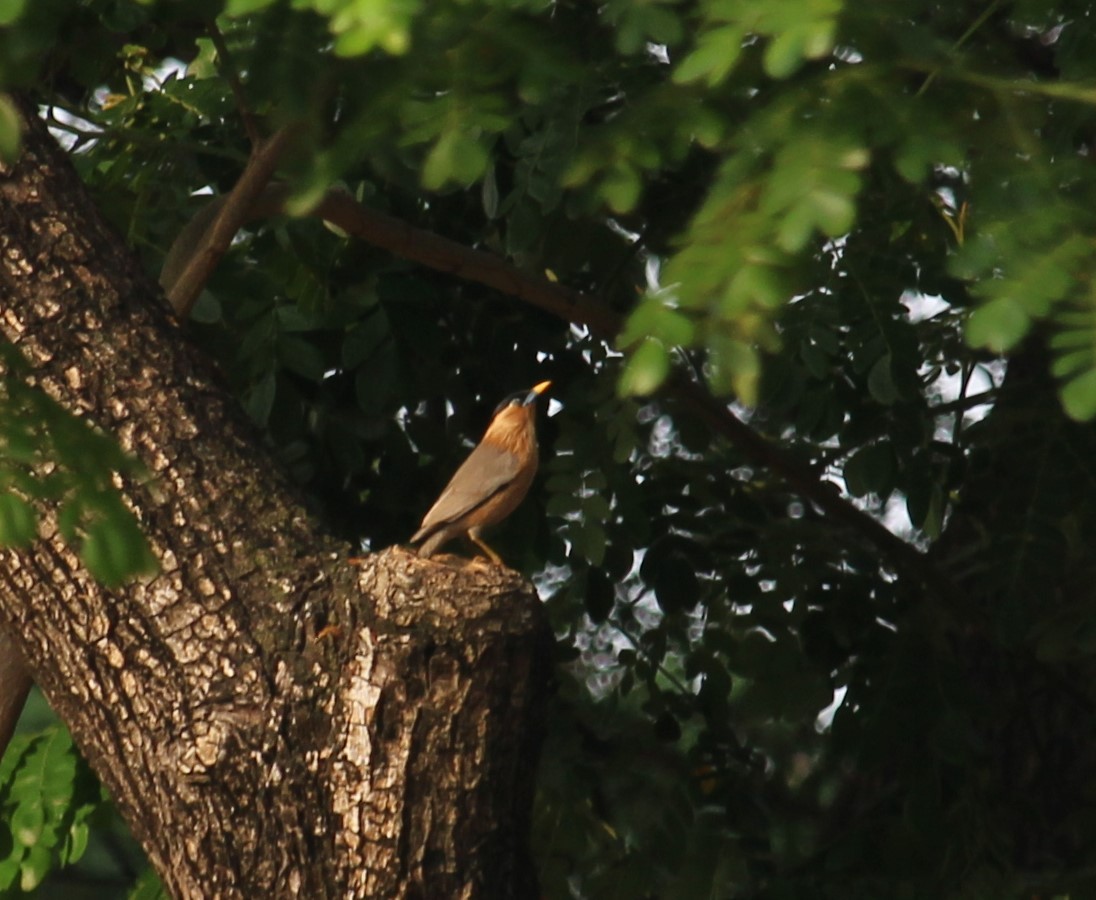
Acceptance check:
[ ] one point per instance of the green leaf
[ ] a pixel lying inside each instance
(600, 595)
(18, 524)
(148, 887)
(810, 39)
(301, 356)
(621, 188)
(934, 520)
(10, 130)
(913, 158)
(260, 399)
(245, 7)
(590, 541)
(596, 508)
(715, 55)
(10, 10)
(34, 867)
(1079, 396)
(489, 194)
(834, 210)
(115, 550)
(646, 370)
(796, 228)
(818, 362)
(675, 583)
(881, 381)
(784, 53)
(456, 157)
(735, 368)
(871, 470)
(925, 505)
(362, 25)
(654, 318)
(207, 309)
(561, 504)
(819, 37)
(364, 340)
(9, 868)
(76, 843)
(1073, 362)
(998, 325)
(28, 819)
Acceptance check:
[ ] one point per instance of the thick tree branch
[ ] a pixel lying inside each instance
(803, 480)
(444, 255)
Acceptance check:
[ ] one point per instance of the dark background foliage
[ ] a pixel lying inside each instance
(867, 229)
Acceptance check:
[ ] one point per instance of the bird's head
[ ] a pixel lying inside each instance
(523, 398)
(514, 419)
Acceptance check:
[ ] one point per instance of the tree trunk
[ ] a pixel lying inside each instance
(14, 686)
(271, 720)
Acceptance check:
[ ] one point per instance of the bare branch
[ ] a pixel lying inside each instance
(232, 76)
(444, 255)
(231, 216)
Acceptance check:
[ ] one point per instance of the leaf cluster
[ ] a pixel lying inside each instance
(51, 458)
(48, 796)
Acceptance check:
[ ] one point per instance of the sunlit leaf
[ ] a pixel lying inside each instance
(645, 370)
(10, 128)
(17, 521)
(997, 325)
(1079, 396)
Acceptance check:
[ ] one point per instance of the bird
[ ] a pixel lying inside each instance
(491, 482)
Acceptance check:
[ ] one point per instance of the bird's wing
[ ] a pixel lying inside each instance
(487, 470)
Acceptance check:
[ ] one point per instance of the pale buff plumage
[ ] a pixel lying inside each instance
(491, 482)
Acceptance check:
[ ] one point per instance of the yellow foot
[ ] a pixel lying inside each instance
(491, 554)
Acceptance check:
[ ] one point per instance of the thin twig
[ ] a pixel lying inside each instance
(963, 38)
(961, 404)
(232, 76)
(675, 682)
(630, 253)
(957, 428)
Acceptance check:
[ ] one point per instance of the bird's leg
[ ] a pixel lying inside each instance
(477, 539)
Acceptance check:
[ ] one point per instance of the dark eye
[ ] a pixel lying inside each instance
(508, 401)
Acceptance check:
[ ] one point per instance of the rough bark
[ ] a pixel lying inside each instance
(271, 720)
(14, 686)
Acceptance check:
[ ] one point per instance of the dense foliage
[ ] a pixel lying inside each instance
(866, 228)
